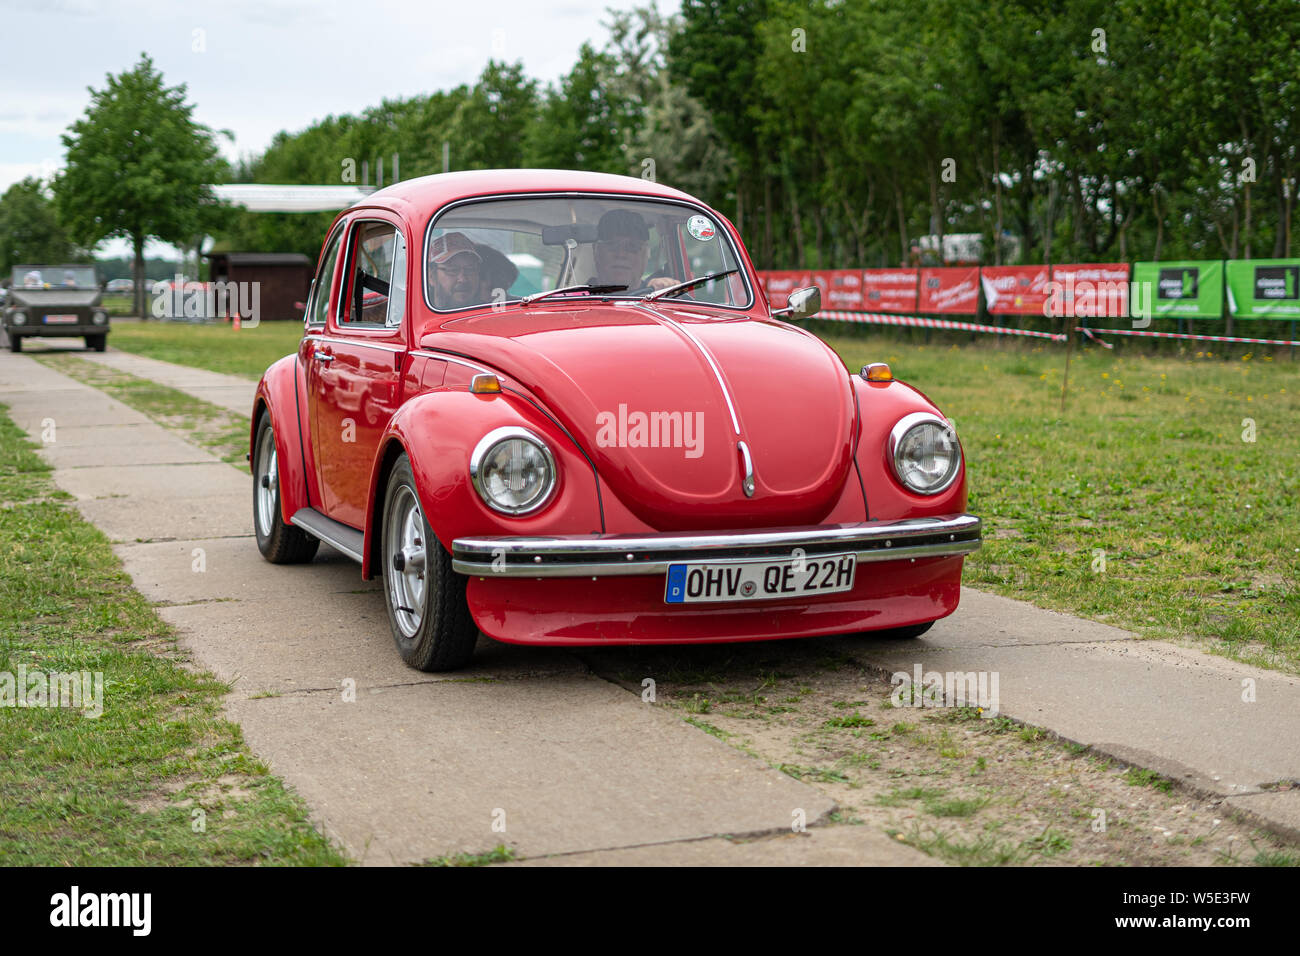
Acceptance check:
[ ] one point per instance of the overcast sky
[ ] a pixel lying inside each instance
(256, 67)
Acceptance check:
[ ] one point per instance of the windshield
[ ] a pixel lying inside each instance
(497, 250)
(54, 277)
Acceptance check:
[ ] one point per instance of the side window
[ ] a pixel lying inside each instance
(373, 248)
(397, 296)
(319, 307)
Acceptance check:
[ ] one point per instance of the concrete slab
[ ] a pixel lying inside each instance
(233, 569)
(170, 519)
(990, 620)
(820, 846)
(67, 407)
(130, 445)
(286, 645)
(150, 483)
(407, 773)
(1277, 812)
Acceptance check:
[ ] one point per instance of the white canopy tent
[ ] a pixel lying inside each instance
(262, 197)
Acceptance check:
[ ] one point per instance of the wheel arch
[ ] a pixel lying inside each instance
(389, 451)
(276, 397)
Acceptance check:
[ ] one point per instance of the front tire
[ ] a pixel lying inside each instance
(15, 342)
(426, 601)
(279, 542)
(97, 342)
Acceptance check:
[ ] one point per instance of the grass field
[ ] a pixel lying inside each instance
(160, 778)
(221, 348)
(1163, 499)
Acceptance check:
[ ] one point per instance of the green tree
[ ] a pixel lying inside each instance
(29, 228)
(138, 167)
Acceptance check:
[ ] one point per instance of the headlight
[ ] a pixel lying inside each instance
(925, 453)
(513, 471)
(19, 318)
(99, 318)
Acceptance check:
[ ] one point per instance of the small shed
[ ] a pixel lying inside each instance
(284, 279)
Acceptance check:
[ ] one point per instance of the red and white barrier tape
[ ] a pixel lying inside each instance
(1179, 335)
(878, 318)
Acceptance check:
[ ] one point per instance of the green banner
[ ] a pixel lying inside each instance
(1264, 288)
(1192, 289)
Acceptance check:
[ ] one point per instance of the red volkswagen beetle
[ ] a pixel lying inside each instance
(556, 407)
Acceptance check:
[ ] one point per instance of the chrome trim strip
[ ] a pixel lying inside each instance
(446, 357)
(747, 479)
(335, 340)
(582, 555)
(708, 357)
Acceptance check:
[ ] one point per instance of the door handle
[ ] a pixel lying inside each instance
(320, 356)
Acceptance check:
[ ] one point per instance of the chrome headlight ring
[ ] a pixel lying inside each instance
(903, 452)
(481, 469)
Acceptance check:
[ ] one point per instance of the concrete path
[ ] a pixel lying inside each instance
(228, 391)
(299, 632)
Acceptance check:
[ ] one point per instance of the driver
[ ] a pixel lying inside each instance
(621, 252)
(454, 266)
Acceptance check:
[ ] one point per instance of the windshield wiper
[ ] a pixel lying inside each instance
(590, 289)
(688, 284)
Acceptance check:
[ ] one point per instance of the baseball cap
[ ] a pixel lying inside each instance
(452, 244)
(622, 222)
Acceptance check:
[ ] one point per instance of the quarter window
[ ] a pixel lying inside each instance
(320, 301)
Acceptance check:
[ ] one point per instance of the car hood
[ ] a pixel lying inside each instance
(51, 298)
(659, 398)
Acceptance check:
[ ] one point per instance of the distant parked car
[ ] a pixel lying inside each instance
(640, 451)
(54, 301)
(120, 286)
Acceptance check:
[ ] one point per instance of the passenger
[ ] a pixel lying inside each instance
(454, 268)
(621, 252)
(497, 273)
(32, 280)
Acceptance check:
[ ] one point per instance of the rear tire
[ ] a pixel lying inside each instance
(905, 633)
(426, 601)
(97, 342)
(279, 542)
(15, 342)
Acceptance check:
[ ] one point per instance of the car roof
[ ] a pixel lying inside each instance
(419, 198)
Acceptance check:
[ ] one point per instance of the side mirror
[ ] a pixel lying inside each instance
(803, 304)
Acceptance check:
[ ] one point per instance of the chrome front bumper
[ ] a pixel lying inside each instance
(566, 556)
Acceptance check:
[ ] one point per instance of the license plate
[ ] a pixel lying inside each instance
(759, 579)
(57, 319)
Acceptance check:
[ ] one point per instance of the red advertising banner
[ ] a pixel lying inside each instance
(843, 289)
(950, 290)
(779, 285)
(1015, 290)
(1090, 290)
(889, 290)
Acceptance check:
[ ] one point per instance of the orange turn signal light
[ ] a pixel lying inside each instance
(484, 383)
(877, 372)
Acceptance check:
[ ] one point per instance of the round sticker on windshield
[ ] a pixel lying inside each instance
(700, 227)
